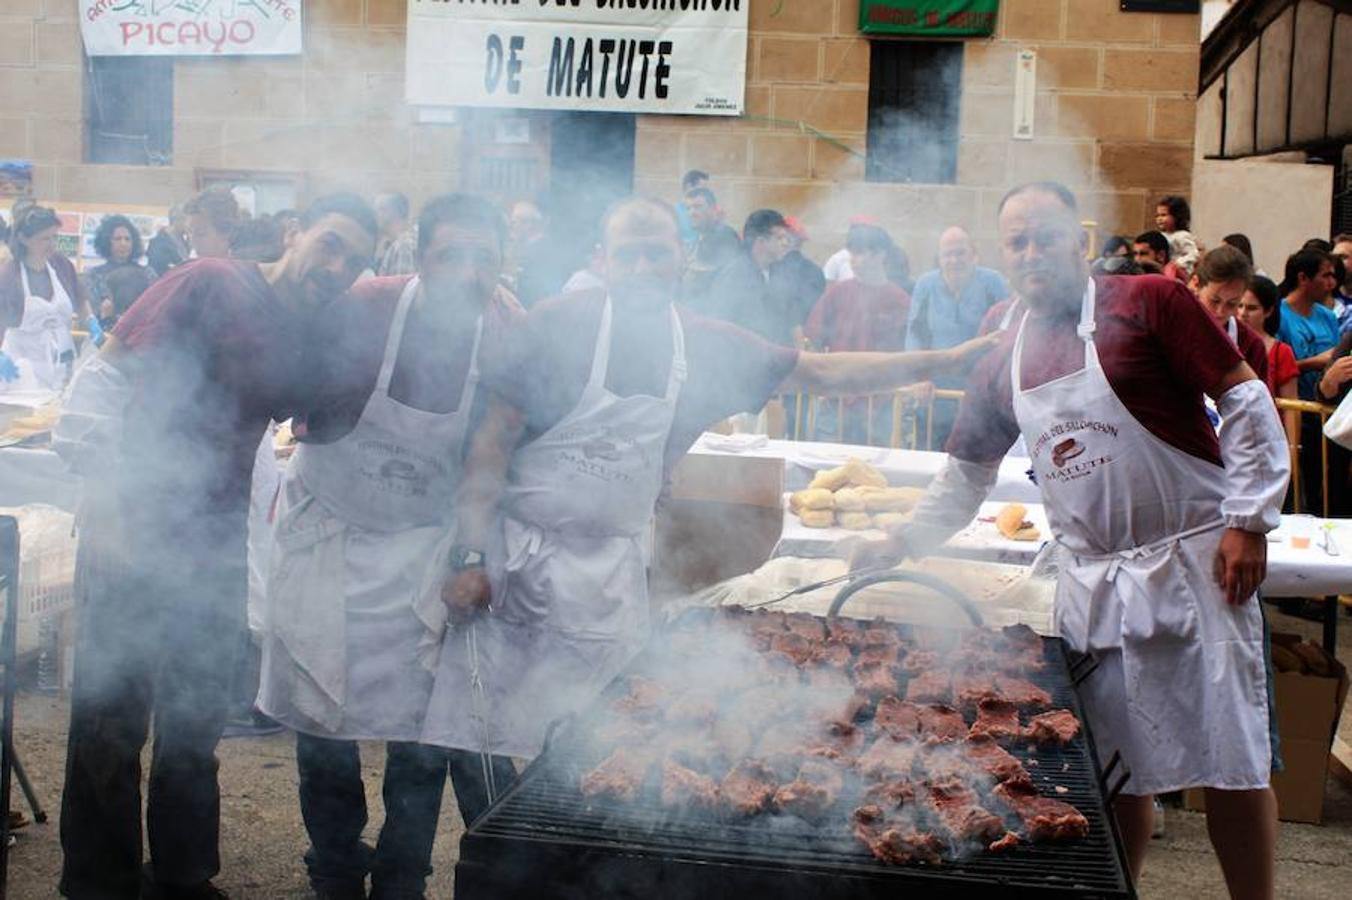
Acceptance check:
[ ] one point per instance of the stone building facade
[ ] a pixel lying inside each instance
(1114, 117)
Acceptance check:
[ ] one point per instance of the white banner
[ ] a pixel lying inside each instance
(191, 27)
(645, 56)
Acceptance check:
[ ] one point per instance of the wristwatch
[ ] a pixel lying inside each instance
(462, 558)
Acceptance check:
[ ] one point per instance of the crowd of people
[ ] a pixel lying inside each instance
(456, 552)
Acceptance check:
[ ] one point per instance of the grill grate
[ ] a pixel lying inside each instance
(543, 839)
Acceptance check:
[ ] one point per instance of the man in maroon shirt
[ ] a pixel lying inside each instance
(164, 425)
(1160, 523)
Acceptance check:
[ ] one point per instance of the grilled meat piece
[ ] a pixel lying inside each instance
(619, 776)
(942, 723)
(1021, 693)
(932, 686)
(835, 655)
(853, 710)
(1056, 727)
(1008, 842)
(970, 688)
(898, 718)
(624, 731)
(806, 624)
(994, 759)
(961, 815)
(1020, 662)
(875, 681)
(997, 719)
(748, 788)
(1044, 819)
(842, 741)
(812, 794)
(891, 794)
(693, 709)
(899, 845)
(888, 758)
(644, 699)
(917, 662)
(849, 632)
(792, 645)
(683, 788)
(882, 655)
(949, 763)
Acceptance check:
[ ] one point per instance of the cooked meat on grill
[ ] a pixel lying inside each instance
(898, 718)
(619, 776)
(875, 681)
(849, 632)
(961, 815)
(835, 655)
(806, 624)
(622, 730)
(1021, 693)
(881, 655)
(932, 686)
(812, 794)
(997, 719)
(748, 788)
(794, 646)
(1022, 661)
(1044, 819)
(917, 662)
(891, 794)
(899, 845)
(843, 741)
(683, 788)
(1008, 842)
(942, 723)
(693, 709)
(644, 699)
(1056, 727)
(888, 758)
(853, 709)
(945, 763)
(970, 688)
(997, 762)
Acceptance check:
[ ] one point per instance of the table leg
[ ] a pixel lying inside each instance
(1331, 625)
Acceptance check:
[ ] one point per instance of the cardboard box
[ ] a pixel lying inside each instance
(722, 518)
(1308, 710)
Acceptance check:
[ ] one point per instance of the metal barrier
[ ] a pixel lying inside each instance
(908, 404)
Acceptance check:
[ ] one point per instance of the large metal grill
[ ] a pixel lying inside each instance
(542, 839)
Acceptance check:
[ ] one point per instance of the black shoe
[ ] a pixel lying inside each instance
(152, 890)
(340, 889)
(397, 894)
(251, 724)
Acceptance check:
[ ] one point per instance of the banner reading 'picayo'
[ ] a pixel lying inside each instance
(191, 27)
(648, 56)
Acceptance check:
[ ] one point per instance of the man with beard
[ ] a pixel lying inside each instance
(164, 425)
(1161, 522)
(354, 606)
(605, 391)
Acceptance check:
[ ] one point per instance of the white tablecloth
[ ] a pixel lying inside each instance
(903, 468)
(36, 476)
(1309, 572)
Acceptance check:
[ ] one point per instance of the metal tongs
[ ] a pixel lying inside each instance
(865, 579)
(818, 585)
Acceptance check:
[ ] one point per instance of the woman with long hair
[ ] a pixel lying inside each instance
(39, 294)
(115, 284)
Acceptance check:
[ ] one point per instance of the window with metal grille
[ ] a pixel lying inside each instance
(129, 110)
(913, 101)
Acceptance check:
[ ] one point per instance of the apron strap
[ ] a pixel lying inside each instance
(1085, 330)
(1232, 329)
(396, 336)
(472, 376)
(596, 380)
(678, 368)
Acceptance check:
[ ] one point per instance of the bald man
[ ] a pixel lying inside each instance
(947, 308)
(605, 392)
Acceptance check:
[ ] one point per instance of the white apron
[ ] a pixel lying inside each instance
(1181, 689)
(43, 336)
(355, 615)
(570, 589)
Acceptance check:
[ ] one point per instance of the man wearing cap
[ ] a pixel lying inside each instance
(796, 282)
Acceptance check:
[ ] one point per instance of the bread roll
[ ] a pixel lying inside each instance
(852, 499)
(855, 521)
(1013, 524)
(817, 518)
(861, 474)
(830, 479)
(889, 520)
(811, 499)
(894, 500)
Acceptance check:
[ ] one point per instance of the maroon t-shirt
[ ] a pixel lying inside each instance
(213, 354)
(429, 372)
(852, 315)
(729, 370)
(1160, 351)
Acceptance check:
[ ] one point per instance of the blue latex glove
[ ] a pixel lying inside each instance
(8, 370)
(96, 333)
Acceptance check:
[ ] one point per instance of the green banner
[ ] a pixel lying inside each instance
(940, 18)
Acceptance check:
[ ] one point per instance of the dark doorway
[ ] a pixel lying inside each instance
(591, 158)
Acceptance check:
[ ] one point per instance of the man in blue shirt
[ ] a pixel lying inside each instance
(1311, 328)
(947, 308)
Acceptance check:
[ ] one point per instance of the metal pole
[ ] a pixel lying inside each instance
(9, 583)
